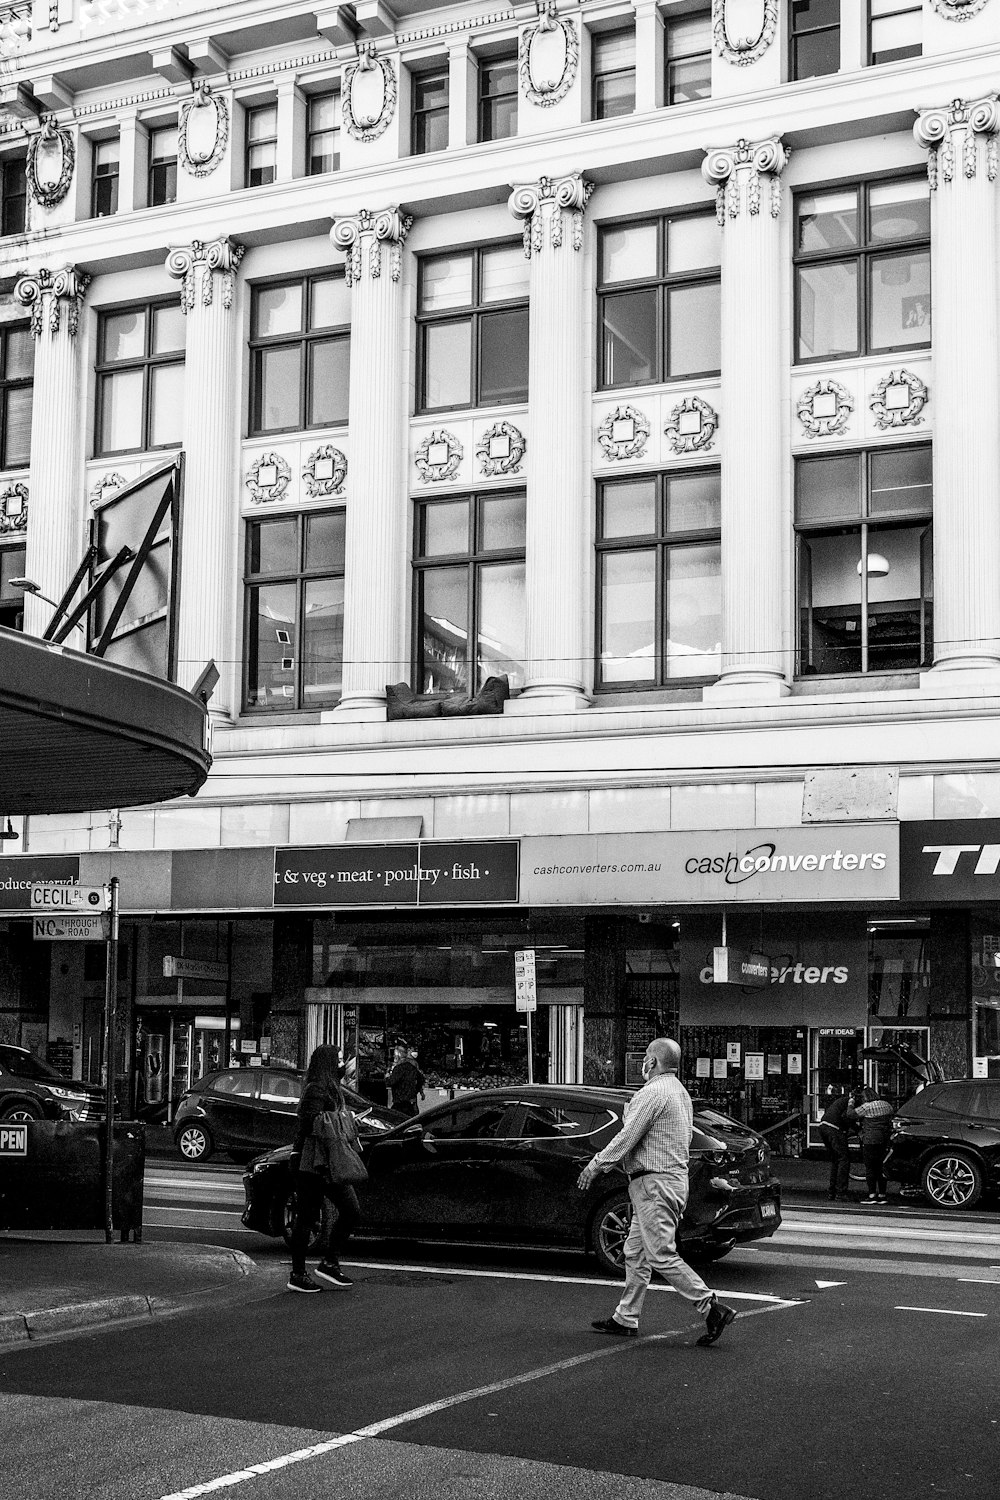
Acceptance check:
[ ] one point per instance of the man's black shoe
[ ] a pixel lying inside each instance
(616, 1329)
(719, 1318)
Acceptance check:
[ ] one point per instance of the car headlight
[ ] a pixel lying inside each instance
(74, 1096)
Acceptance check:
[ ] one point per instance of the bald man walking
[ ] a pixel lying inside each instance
(653, 1146)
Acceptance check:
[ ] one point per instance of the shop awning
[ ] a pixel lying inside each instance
(78, 733)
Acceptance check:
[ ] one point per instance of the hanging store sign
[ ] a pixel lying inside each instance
(734, 966)
(193, 968)
(950, 860)
(420, 874)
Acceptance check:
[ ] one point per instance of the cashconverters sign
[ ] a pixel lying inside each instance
(421, 874)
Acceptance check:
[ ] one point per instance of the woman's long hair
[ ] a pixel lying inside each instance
(324, 1074)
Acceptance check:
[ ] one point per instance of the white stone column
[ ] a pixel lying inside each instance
(55, 537)
(376, 509)
(748, 188)
(962, 140)
(557, 651)
(211, 415)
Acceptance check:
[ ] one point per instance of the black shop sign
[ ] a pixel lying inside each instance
(950, 860)
(419, 874)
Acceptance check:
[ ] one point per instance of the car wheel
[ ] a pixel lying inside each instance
(194, 1143)
(951, 1180)
(609, 1231)
(319, 1233)
(696, 1255)
(17, 1114)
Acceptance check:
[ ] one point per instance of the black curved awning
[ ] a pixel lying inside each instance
(78, 733)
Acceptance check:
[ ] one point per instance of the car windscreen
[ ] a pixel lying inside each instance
(716, 1124)
(26, 1065)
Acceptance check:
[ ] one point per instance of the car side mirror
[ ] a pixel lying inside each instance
(413, 1133)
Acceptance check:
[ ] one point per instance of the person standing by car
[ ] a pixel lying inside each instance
(833, 1129)
(405, 1080)
(321, 1092)
(653, 1147)
(873, 1117)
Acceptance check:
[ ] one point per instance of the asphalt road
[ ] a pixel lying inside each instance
(862, 1367)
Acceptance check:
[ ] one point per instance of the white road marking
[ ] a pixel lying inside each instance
(384, 1265)
(979, 1280)
(416, 1413)
(950, 1312)
(824, 1284)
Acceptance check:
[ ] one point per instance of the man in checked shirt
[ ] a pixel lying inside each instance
(653, 1147)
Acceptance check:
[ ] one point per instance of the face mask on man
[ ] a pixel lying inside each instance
(648, 1064)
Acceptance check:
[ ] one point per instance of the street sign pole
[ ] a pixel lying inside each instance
(110, 1005)
(525, 995)
(531, 1074)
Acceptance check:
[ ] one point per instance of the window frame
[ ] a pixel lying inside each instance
(164, 161)
(660, 542)
(147, 363)
(485, 101)
(7, 163)
(312, 131)
(301, 577)
(338, 332)
(862, 254)
(97, 177)
(18, 382)
(661, 284)
(863, 524)
(668, 59)
(793, 35)
(472, 559)
(595, 75)
(472, 313)
(420, 114)
(11, 542)
(904, 10)
(249, 145)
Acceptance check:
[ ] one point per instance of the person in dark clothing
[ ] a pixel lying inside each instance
(833, 1129)
(406, 1081)
(321, 1092)
(873, 1116)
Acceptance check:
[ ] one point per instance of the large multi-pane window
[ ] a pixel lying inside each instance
(864, 561)
(12, 564)
(13, 195)
(815, 38)
(294, 633)
(689, 58)
(895, 30)
(300, 354)
(497, 98)
(261, 145)
(469, 591)
(473, 328)
(659, 579)
(140, 378)
(104, 178)
(863, 269)
(17, 365)
(429, 122)
(659, 299)
(162, 186)
(323, 134)
(613, 73)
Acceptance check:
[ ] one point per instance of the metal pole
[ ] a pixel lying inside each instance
(531, 1073)
(110, 999)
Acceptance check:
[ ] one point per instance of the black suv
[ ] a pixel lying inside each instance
(946, 1140)
(31, 1090)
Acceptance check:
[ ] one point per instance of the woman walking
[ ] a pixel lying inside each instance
(321, 1094)
(873, 1117)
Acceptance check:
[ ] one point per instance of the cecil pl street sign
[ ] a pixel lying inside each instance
(64, 898)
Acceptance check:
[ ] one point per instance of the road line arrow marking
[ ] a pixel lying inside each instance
(824, 1284)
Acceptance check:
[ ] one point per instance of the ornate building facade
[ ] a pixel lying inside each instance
(619, 392)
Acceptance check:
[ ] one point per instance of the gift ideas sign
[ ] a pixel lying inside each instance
(419, 874)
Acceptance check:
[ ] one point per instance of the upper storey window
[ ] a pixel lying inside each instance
(300, 352)
(17, 352)
(140, 378)
(473, 328)
(498, 98)
(163, 166)
(689, 58)
(613, 60)
(262, 145)
(429, 124)
(659, 299)
(104, 183)
(13, 196)
(863, 269)
(323, 134)
(815, 38)
(895, 30)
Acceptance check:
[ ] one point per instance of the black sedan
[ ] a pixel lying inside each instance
(502, 1164)
(31, 1090)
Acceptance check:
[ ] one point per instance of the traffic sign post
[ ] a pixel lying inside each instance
(525, 994)
(75, 927)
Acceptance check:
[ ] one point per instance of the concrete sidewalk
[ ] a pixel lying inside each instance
(56, 1283)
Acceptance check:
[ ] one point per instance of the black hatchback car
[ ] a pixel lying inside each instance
(246, 1110)
(31, 1090)
(946, 1140)
(502, 1164)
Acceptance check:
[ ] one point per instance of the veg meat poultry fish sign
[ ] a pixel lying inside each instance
(420, 874)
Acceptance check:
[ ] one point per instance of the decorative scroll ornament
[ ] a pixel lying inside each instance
(220, 257)
(325, 471)
(368, 98)
(202, 131)
(66, 288)
(959, 127)
(958, 10)
(549, 56)
(899, 399)
(14, 508)
(438, 456)
(551, 198)
(501, 449)
(389, 227)
(691, 426)
(825, 408)
(725, 167)
(106, 486)
(741, 51)
(50, 163)
(268, 478)
(624, 433)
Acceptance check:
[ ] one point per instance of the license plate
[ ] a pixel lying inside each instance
(768, 1211)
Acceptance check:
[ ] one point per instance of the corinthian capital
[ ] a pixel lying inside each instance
(61, 290)
(214, 258)
(735, 173)
(962, 125)
(551, 198)
(370, 231)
